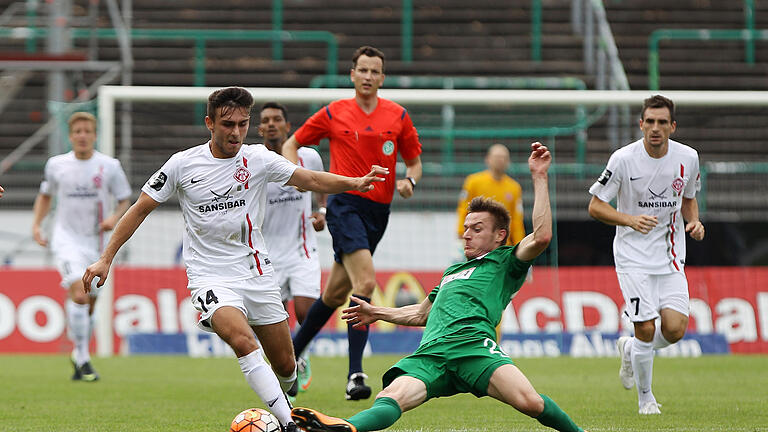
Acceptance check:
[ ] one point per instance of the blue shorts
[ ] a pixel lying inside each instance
(355, 223)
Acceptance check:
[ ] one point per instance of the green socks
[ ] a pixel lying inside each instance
(383, 414)
(556, 418)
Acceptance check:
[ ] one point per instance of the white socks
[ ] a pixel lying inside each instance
(79, 330)
(263, 381)
(642, 365)
(658, 339)
(287, 382)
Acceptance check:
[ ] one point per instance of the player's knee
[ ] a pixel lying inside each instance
(530, 403)
(673, 335)
(285, 366)
(335, 298)
(242, 344)
(645, 330)
(365, 288)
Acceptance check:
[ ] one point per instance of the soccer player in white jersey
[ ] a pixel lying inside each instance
(83, 181)
(289, 229)
(221, 187)
(655, 181)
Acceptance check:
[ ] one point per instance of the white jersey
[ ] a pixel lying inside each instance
(287, 226)
(83, 191)
(654, 187)
(222, 201)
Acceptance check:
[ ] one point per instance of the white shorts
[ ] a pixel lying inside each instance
(298, 278)
(646, 294)
(257, 298)
(72, 264)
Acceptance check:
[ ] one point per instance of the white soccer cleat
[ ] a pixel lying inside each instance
(650, 408)
(626, 373)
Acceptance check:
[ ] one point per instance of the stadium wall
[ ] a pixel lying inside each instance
(730, 301)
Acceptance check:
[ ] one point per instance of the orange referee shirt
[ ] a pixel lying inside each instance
(359, 140)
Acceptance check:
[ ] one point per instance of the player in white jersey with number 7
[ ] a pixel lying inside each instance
(221, 187)
(654, 181)
(83, 182)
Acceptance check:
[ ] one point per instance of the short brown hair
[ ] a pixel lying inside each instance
(368, 51)
(230, 97)
(659, 101)
(79, 116)
(497, 211)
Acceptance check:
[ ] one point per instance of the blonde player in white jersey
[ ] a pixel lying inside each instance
(221, 187)
(289, 229)
(84, 182)
(655, 181)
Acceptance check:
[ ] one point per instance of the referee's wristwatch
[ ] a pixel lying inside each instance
(413, 182)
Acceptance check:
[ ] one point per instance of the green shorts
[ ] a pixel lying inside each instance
(452, 364)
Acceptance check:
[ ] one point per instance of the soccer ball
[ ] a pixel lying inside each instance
(255, 420)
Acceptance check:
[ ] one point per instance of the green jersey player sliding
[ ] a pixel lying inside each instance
(458, 352)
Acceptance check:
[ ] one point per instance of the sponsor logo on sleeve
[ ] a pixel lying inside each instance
(158, 182)
(604, 177)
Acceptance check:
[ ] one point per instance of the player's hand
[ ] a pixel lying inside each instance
(540, 159)
(643, 223)
(100, 270)
(318, 221)
(696, 230)
(37, 233)
(405, 188)
(360, 315)
(366, 183)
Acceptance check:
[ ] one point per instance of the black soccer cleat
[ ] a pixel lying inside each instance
(315, 421)
(290, 427)
(77, 376)
(87, 373)
(356, 388)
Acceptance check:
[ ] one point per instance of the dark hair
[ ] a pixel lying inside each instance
(230, 97)
(276, 105)
(368, 51)
(497, 211)
(659, 101)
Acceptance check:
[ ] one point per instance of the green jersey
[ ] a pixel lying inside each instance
(472, 295)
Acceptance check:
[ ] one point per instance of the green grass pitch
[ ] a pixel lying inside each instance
(172, 393)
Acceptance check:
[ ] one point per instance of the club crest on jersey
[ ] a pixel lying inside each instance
(678, 185)
(388, 148)
(242, 175)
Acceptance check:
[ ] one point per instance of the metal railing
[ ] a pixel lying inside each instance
(601, 59)
(698, 35)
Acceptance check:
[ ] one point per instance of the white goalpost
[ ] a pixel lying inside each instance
(108, 96)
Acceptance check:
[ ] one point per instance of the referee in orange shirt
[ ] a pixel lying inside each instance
(363, 131)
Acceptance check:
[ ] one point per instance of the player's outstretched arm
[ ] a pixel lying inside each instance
(325, 182)
(123, 231)
(608, 215)
(536, 242)
(365, 313)
(690, 212)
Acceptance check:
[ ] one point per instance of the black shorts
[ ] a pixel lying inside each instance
(355, 223)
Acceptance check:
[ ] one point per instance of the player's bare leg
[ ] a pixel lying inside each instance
(509, 385)
(276, 341)
(231, 325)
(359, 267)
